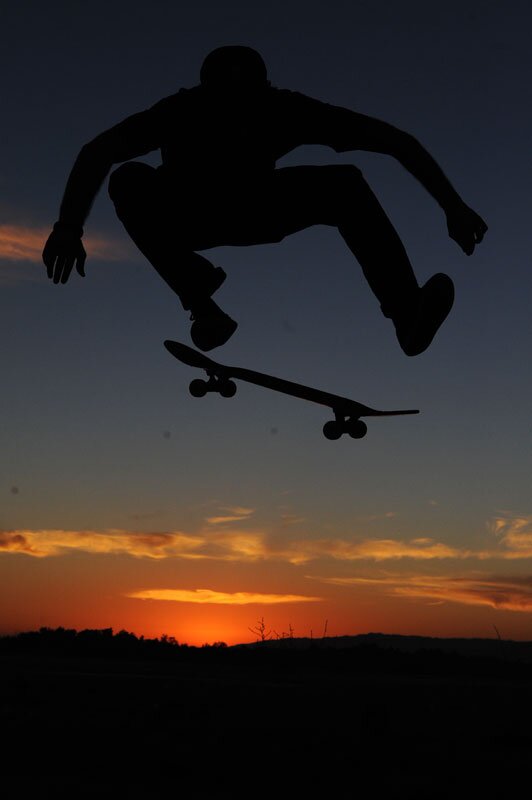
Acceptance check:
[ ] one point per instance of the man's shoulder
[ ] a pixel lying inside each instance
(301, 104)
(290, 96)
(195, 95)
(179, 99)
(287, 104)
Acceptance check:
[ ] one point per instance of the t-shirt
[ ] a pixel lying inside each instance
(209, 143)
(199, 134)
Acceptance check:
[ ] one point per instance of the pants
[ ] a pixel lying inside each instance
(170, 222)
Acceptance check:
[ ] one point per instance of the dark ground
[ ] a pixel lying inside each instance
(225, 721)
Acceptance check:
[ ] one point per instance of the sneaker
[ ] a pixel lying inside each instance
(417, 327)
(211, 327)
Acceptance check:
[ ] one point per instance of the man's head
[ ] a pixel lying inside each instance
(234, 70)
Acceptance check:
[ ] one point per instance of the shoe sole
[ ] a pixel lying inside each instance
(215, 337)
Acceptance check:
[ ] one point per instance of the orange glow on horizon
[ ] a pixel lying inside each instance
(94, 579)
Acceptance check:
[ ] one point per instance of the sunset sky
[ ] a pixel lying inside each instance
(125, 502)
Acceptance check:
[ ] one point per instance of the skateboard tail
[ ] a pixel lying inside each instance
(341, 406)
(372, 412)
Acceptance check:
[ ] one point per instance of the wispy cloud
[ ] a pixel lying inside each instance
(515, 534)
(514, 593)
(226, 538)
(231, 514)
(23, 243)
(227, 545)
(420, 549)
(43, 543)
(219, 598)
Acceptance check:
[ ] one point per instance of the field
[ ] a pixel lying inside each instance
(220, 719)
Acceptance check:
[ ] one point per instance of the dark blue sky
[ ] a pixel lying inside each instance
(98, 430)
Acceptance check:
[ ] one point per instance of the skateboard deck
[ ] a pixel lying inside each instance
(347, 412)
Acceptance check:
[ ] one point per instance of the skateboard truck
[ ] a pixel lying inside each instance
(224, 386)
(340, 425)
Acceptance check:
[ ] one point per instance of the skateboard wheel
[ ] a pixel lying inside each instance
(332, 430)
(227, 388)
(198, 388)
(357, 429)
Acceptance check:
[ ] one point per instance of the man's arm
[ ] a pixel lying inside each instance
(343, 130)
(135, 136)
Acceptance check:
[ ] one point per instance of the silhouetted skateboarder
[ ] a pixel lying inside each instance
(218, 185)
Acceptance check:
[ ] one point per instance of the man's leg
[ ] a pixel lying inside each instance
(338, 195)
(142, 205)
(416, 313)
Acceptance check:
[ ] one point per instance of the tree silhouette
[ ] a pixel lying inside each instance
(260, 630)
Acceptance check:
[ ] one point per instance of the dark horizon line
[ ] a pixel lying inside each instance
(110, 633)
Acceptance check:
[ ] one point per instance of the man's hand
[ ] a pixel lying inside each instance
(62, 251)
(465, 227)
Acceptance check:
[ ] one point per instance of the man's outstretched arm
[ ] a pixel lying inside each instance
(133, 137)
(345, 130)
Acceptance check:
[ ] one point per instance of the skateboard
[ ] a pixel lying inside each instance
(347, 412)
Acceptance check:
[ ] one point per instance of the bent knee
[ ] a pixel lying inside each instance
(129, 178)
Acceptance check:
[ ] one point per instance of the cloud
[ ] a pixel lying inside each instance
(382, 549)
(219, 598)
(19, 243)
(233, 514)
(503, 592)
(219, 541)
(43, 543)
(236, 545)
(514, 533)
(13, 542)
(220, 545)
(225, 545)
(252, 545)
